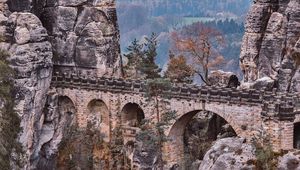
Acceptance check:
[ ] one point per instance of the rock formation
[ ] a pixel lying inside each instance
(84, 35)
(229, 153)
(289, 161)
(223, 79)
(270, 45)
(79, 35)
(31, 58)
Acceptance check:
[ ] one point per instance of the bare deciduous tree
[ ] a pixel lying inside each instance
(199, 43)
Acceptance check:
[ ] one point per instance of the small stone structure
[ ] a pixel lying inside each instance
(247, 111)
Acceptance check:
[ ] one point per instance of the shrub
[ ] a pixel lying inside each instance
(265, 156)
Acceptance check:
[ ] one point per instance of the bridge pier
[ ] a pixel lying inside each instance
(287, 137)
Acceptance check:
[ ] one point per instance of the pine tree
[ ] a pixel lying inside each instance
(135, 56)
(148, 66)
(141, 59)
(152, 132)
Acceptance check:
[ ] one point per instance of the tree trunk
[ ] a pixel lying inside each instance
(157, 109)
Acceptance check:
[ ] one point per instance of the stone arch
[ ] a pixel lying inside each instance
(67, 114)
(66, 105)
(98, 117)
(132, 115)
(174, 148)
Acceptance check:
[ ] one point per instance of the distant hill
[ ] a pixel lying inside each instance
(193, 7)
(139, 18)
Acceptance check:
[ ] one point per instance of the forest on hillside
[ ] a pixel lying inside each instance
(193, 7)
(139, 18)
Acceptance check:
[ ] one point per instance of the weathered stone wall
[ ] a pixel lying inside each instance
(270, 45)
(245, 120)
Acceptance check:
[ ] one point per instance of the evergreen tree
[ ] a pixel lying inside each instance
(152, 132)
(148, 66)
(141, 59)
(135, 56)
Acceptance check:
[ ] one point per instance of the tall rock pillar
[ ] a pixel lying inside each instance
(270, 48)
(84, 35)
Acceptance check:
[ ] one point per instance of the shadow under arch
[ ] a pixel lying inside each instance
(132, 115)
(175, 145)
(66, 104)
(66, 108)
(98, 117)
(296, 135)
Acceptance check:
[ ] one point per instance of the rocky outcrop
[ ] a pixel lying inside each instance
(229, 153)
(84, 35)
(200, 133)
(289, 161)
(80, 35)
(57, 123)
(270, 44)
(26, 41)
(263, 83)
(223, 79)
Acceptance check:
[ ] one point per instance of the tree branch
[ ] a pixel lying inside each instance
(202, 78)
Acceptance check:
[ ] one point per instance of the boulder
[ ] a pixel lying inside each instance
(289, 161)
(263, 83)
(223, 79)
(229, 154)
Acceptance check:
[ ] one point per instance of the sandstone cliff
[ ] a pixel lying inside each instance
(84, 35)
(80, 35)
(270, 49)
(30, 56)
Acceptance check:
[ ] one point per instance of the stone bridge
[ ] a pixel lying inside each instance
(108, 100)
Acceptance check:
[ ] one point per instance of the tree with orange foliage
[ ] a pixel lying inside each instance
(178, 70)
(197, 42)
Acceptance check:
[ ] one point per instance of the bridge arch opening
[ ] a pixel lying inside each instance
(193, 134)
(296, 135)
(132, 115)
(66, 109)
(98, 117)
